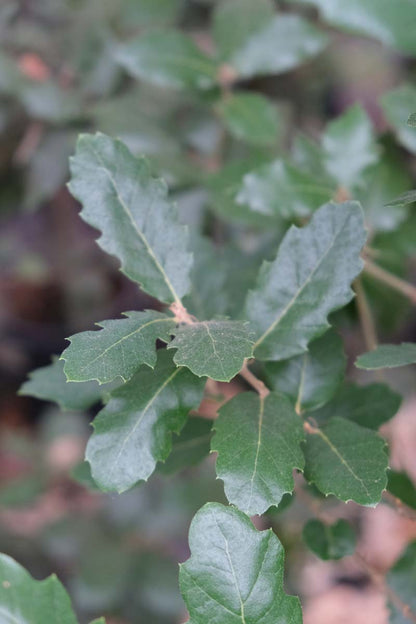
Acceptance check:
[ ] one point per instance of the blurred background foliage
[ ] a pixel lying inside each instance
(226, 127)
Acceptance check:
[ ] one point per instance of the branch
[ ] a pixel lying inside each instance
(380, 581)
(181, 313)
(366, 318)
(403, 287)
(256, 383)
(401, 508)
(377, 578)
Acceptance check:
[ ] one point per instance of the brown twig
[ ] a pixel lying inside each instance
(181, 313)
(379, 580)
(366, 318)
(251, 379)
(29, 143)
(399, 506)
(401, 286)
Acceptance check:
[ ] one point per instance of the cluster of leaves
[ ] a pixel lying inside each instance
(301, 415)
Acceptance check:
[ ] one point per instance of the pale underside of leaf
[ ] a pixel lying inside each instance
(282, 44)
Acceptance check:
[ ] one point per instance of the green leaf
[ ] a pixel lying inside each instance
(402, 488)
(388, 356)
(235, 573)
(49, 384)
(281, 189)
(133, 432)
(208, 296)
(138, 223)
(392, 23)
(215, 349)
(402, 580)
(309, 156)
(348, 461)
(369, 406)
(82, 475)
(250, 117)
(246, 18)
(224, 186)
(406, 198)
(148, 13)
(49, 102)
(168, 59)
(397, 106)
(264, 43)
(329, 541)
(258, 444)
(191, 447)
(412, 120)
(310, 277)
(349, 147)
(24, 600)
(119, 349)
(310, 380)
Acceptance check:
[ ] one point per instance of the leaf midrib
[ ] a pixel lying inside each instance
(214, 348)
(133, 222)
(299, 291)
(342, 459)
(259, 440)
(118, 342)
(139, 420)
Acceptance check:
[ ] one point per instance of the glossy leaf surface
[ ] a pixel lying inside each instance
(258, 444)
(348, 461)
(235, 573)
